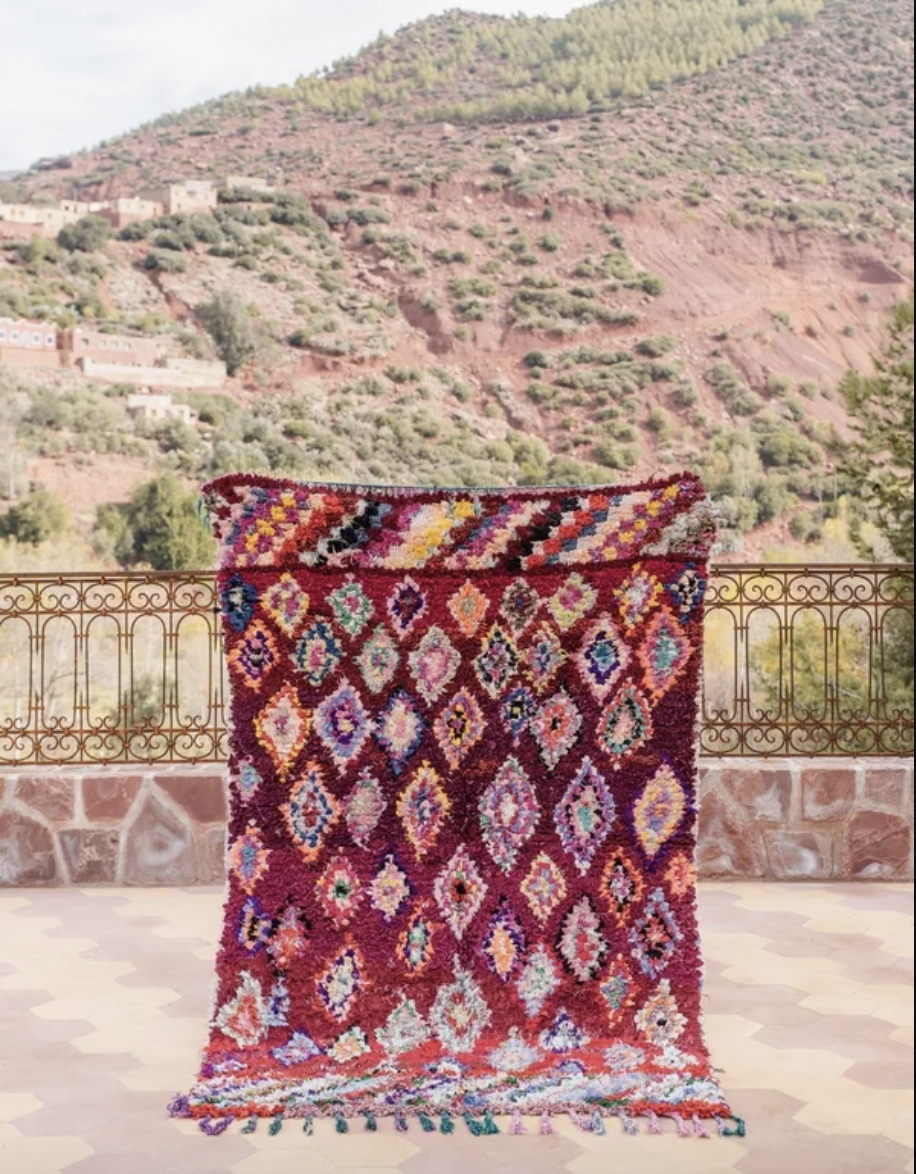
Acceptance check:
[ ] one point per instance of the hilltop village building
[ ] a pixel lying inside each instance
(108, 358)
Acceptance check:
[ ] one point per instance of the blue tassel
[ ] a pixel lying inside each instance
(427, 1124)
(474, 1126)
(400, 1123)
(276, 1125)
(447, 1125)
(489, 1125)
(371, 1123)
(250, 1125)
(342, 1125)
(598, 1124)
(308, 1126)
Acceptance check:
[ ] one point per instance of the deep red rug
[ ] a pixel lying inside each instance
(461, 878)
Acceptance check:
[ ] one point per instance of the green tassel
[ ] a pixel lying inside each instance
(427, 1124)
(474, 1126)
(489, 1125)
(308, 1126)
(740, 1129)
(371, 1123)
(447, 1125)
(276, 1125)
(342, 1125)
(250, 1125)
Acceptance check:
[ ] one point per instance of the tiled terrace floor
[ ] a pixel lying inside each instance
(104, 995)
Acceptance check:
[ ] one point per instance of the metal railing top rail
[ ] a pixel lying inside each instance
(119, 667)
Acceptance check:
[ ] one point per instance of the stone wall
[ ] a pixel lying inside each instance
(780, 820)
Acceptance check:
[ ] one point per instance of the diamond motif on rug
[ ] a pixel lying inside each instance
(585, 816)
(248, 858)
(659, 811)
(618, 989)
(310, 813)
(244, 1016)
(255, 927)
(364, 807)
(405, 606)
(621, 886)
(460, 1014)
(519, 606)
(317, 654)
(459, 727)
(434, 663)
(539, 981)
(343, 725)
(400, 729)
(415, 945)
(497, 663)
(379, 659)
(341, 982)
(663, 653)
(637, 596)
(625, 725)
(423, 808)
(504, 945)
(286, 604)
(516, 709)
(352, 607)
(391, 890)
(572, 602)
(289, 938)
(340, 892)
(350, 1046)
(544, 656)
(582, 944)
(468, 607)
(405, 1029)
(299, 1049)
(564, 1036)
(603, 657)
(460, 891)
(655, 936)
(660, 1019)
(237, 602)
(555, 727)
(509, 814)
(255, 656)
(544, 888)
(283, 728)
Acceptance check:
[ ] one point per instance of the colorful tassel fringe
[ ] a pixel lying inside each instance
(250, 1125)
(547, 1128)
(371, 1123)
(447, 1125)
(518, 1125)
(426, 1123)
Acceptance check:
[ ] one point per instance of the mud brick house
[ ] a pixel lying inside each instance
(96, 345)
(190, 195)
(27, 343)
(126, 210)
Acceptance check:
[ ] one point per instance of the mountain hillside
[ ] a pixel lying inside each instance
(651, 235)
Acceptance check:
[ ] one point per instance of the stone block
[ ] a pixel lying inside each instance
(828, 792)
(799, 855)
(886, 786)
(91, 854)
(878, 846)
(159, 849)
(26, 851)
(109, 796)
(50, 795)
(212, 855)
(202, 796)
(765, 792)
(726, 846)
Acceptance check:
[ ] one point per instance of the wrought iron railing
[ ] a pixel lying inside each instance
(128, 668)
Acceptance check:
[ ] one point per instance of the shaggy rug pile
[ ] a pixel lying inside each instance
(461, 850)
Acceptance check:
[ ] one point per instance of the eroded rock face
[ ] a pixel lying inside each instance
(159, 848)
(26, 851)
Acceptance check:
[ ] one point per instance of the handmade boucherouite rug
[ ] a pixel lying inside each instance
(461, 851)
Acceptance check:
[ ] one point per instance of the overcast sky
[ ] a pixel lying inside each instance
(75, 72)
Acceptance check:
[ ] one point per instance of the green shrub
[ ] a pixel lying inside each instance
(229, 324)
(86, 236)
(37, 518)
